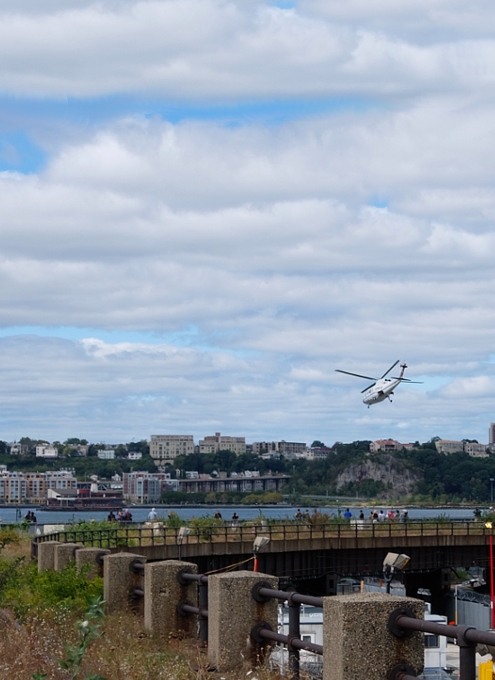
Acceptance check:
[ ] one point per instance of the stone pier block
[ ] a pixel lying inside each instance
(162, 594)
(356, 640)
(232, 613)
(65, 553)
(91, 556)
(119, 580)
(46, 555)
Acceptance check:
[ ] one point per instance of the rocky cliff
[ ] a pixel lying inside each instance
(397, 479)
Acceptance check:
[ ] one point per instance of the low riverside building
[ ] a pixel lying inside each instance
(247, 482)
(33, 487)
(87, 496)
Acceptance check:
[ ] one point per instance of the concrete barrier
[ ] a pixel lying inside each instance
(119, 581)
(162, 594)
(356, 640)
(46, 555)
(232, 613)
(65, 553)
(91, 556)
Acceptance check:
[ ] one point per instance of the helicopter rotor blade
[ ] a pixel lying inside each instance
(367, 388)
(391, 367)
(358, 375)
(416, 382)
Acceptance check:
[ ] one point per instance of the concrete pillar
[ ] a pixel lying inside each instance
(65, 553)
(90, 556)
(162, 594)
(119, 580)
(46, 555)
(356, 640)
(232, 613)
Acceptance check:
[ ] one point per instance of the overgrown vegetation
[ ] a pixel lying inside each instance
(52, 628)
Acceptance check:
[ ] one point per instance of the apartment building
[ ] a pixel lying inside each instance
(46, 451)
(18, 487)
(13, 488)
(282, 447)
(147, 487)
(218, 442)
(61, 479)
(389, 445)
(106, 454)
(476, 450)
(318, 453)
(447, 446)
(473, 449)
(164, 448)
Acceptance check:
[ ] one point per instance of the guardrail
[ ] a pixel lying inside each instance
(154, 534)
(402, 622)
(372, 635)
(262, 631)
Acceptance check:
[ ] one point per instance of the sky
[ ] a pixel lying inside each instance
(208, 206)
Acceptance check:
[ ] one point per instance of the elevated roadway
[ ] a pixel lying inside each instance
(304, 549)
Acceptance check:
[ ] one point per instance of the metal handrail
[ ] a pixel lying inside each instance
(142, 535)
(402, 622)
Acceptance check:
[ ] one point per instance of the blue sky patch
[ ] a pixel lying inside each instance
(379, 202)
(18, 153)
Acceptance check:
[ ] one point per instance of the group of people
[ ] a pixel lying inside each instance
(380, 516)
(392, 515)
(121, 516)
(30, 517)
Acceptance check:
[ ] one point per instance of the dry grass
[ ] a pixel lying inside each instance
(124, 652)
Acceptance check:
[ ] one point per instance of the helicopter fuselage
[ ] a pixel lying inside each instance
(380, 391)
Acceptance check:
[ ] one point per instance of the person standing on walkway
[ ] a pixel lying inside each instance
(152, 515)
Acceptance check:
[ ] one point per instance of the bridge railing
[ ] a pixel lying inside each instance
(151, 534)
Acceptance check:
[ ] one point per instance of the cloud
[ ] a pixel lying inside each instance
(478, 386)
(199, 49)
(291, 247)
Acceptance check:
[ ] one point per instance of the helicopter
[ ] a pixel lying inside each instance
(383, 387)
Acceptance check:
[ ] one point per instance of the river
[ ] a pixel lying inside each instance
(140, 514)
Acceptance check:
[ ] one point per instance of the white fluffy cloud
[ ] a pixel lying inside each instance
(252, 260)
(210, 48)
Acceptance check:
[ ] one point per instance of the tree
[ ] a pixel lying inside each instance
(317, 444)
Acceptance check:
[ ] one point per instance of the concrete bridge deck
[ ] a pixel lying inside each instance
(301, 549)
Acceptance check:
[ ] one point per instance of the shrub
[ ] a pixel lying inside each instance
(28, 591)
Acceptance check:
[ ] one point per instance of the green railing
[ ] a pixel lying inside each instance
(132, 535)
